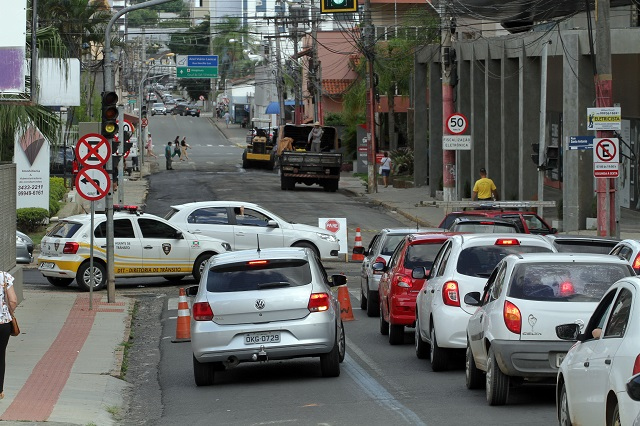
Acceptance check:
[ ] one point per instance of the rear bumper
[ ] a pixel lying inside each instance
(258, 157)
(402, 310)
(529, 358)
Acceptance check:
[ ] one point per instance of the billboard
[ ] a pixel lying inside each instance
(12, 46)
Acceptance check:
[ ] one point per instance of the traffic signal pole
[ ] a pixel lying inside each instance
(109, 86)
(448, 156)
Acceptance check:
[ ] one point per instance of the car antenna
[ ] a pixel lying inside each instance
(417, 225)
(258, 238)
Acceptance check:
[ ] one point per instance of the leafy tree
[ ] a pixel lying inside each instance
(193, 41)
(142, 17)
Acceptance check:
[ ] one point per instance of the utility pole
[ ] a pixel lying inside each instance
(315, 64)
(369, 45)
(279, 85)
(542, 124)
(606, 187)
(448, 156)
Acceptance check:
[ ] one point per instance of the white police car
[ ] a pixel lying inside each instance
(145, 245)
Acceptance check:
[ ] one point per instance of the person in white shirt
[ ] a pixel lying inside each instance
(385, 168)
(315, 137)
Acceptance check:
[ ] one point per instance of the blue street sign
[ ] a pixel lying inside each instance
(202, 60)
(581, 142)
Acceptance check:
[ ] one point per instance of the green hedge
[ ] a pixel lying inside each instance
(31, 219)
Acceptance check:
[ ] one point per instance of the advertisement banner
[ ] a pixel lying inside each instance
(31, 155)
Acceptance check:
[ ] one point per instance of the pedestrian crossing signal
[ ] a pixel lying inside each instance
(338, 6)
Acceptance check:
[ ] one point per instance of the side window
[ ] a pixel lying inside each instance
(619, 318)
(533, 222)
(152, 228)
(373, 244)
(616, 250)
(396, 254)
(600, 314)
(249, 217)
(488, 288)
(498, 283)
(122, 228)
(209, 216)
(626, 252)
(445, 259)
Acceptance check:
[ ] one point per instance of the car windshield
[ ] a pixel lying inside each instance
(479, 261)
(390, 244)
(560, 282)
(64, 230)
(158, 105)
(481, 228)
(419, 255)
(248, 276)
(586, 246)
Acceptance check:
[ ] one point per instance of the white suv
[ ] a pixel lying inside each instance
(463, 265)
(512, 335)
(145, 245)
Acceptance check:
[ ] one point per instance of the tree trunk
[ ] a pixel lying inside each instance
(393, 135)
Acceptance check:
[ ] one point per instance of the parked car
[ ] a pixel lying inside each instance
(529, 221)
(566, 243)
(511, 337)
(158, 108)
(180, 109)
(145, 246)
(402, 279)
(592, 381)
(264, 305)
(630, 250)
(61, 161)
(24, 248)
(485, 225)
(379, 250)
(249, 226)
(462, 265)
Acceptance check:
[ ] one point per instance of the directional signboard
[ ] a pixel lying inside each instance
(93, 184)
(93, 150)
(197, 66)
(581, 142)
(606, 157)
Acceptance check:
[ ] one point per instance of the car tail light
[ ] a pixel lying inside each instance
(512, 317)
(450, 294)
(202, 311)
(379, 259)
(70, 248)
(318, 302)
(257, 262)
(507, 242)
(636, 366)
(636, 264)
(566, 289)
(403, 281)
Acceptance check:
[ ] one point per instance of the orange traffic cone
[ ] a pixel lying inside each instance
(346, 314)
(183, 326)
(358, 243)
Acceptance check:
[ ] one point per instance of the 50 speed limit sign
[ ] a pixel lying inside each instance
(457, 123)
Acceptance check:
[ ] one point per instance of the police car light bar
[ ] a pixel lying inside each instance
(125, 208)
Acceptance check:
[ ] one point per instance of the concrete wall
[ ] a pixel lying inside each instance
(8, 225)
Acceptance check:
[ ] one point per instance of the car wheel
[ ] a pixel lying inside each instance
(342, 343)
(437, 355)
(308, 245)
(473, 375)
(203, 372)
(174, 278)
(330, 362)
(563, 416)
(384, 326)
(60, 282)
(198, 266)
(245, 163)
(373, 304)
(83, 276)
(422, 347)
(363, 300)
(396, 334)
(614, 420)
(496, 382)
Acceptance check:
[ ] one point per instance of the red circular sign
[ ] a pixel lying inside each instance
(457, 123)
(606, 150)
(145, 122)
(93, 150)
(93, 184)
(332, 225)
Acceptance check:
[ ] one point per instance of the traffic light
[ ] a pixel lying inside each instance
(109, 114)
(535, 156)
(143, 111)
(338, 6)
(126, 146)
(552, 157)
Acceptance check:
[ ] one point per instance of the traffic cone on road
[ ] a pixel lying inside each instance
(346, 314)
(358, 243)
(183, 326)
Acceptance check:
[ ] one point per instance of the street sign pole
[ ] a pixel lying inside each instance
(92, 272)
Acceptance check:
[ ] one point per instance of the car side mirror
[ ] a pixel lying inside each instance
(358, 250)
(378, 267)
(633, 387)
(568, 331)
(272, 224)
(338, 280)
(554, 231)
(191, 291)
(419, 273)
(472, 298)
(178, 235)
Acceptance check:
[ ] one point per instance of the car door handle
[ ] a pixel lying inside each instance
(147, 247)
(433, 290)
(586, 364)
(607, 361)
(196, 231)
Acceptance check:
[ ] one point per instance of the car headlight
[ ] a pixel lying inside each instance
(226, 246)
(327, 237)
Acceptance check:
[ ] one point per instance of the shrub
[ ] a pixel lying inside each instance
(57, 188)
(54, 206)
(402, 161)
(31, 219)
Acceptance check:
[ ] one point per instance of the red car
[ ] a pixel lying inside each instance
(528, 222)
(403, 278)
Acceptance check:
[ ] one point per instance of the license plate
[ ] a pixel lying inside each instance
(261, 338)
(47, 265)
(559, 359)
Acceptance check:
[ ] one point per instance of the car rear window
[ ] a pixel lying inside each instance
(64, 230)
(390, 244)
(560, 282)
(247, 277)
(479, 261)
(478, 228)
(419, 255)
(573, 246)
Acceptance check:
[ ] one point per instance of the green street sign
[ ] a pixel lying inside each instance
(132, 101)
(197, 72)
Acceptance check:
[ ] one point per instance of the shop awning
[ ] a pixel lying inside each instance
(274, 108)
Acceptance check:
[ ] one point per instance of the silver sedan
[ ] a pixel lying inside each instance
(261, 305)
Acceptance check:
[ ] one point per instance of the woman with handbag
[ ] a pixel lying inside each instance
(8, 302)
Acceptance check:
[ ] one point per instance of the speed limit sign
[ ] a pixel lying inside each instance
(457, 123)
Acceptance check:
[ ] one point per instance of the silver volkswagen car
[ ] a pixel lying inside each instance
(261, 305)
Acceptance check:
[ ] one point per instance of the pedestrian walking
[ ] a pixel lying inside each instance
(385, 168)
(315, 137)
(8, 302)
(176, 146)
(149, 147)
(484, 188)
(183, 147)
(168, 153)
(227, 118)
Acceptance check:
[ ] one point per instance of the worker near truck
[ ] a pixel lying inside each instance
(315, 137)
